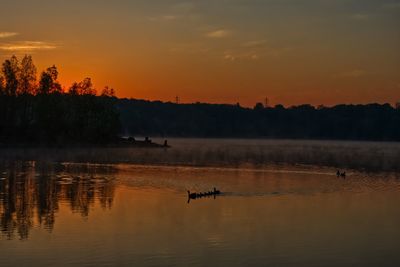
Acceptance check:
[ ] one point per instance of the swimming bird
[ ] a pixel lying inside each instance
(343, 174)
(338, 173)
(191, 195)
(216, 192)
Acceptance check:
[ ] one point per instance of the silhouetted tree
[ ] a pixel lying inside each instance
(27, 76)
(74, 89)
(345, 122)
(2, 89)
(86, 87)
(108, 92)
(259, 106)
(10, 71)
(51, 116)
(48, 81)
(80, 116)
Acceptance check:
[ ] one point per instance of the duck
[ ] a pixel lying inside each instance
(191, 195)
(343, 174)
(216, 192)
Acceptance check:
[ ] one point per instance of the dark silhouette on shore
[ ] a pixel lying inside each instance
(42, 112)
(147, 142)
(372, 122)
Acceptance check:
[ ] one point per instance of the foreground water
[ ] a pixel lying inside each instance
(130, 215)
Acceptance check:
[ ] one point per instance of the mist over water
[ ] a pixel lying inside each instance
(237, 153)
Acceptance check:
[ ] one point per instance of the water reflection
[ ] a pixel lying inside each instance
(30, 194)
(129, 215)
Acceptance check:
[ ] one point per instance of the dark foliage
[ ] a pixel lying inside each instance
(32, 112)
(343, 122)
(43, 113)
(58, 119)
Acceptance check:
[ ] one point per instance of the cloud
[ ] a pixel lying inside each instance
(218, 34)
(233, 56)
(353, 73)
(27, 46)
(7, 34)
(229, 57)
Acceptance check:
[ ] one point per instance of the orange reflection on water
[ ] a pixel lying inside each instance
(136, 215)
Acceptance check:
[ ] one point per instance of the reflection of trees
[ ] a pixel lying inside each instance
(30, 195)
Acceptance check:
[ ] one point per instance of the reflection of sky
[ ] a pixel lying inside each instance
(293, 51)
(151, 224)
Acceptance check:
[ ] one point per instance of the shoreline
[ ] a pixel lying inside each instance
(121, 144)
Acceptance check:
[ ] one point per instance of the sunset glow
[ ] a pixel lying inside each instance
(225, 51)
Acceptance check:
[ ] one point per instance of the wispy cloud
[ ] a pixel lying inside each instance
(230, 57)
(218, 34)
(233, 56)
(27, 46)
(7, 34)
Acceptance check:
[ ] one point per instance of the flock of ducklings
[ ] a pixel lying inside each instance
(203, 194)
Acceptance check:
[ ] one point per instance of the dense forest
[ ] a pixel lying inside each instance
(341, 122)
(43, 111)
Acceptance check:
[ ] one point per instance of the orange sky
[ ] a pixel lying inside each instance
(293, 52)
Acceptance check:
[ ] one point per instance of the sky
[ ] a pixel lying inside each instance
(218, 51)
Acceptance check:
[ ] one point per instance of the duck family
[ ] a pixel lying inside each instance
(214, 192)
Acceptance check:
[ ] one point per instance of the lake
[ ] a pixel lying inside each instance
(64, 213)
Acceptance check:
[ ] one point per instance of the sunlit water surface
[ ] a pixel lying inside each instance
(127, 215)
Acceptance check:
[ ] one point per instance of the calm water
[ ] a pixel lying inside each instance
(130, 215)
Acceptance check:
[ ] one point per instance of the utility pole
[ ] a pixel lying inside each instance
(177, 99)
(266, 102)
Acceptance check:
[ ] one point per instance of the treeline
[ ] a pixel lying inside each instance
(42, 111)
(341, 122)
